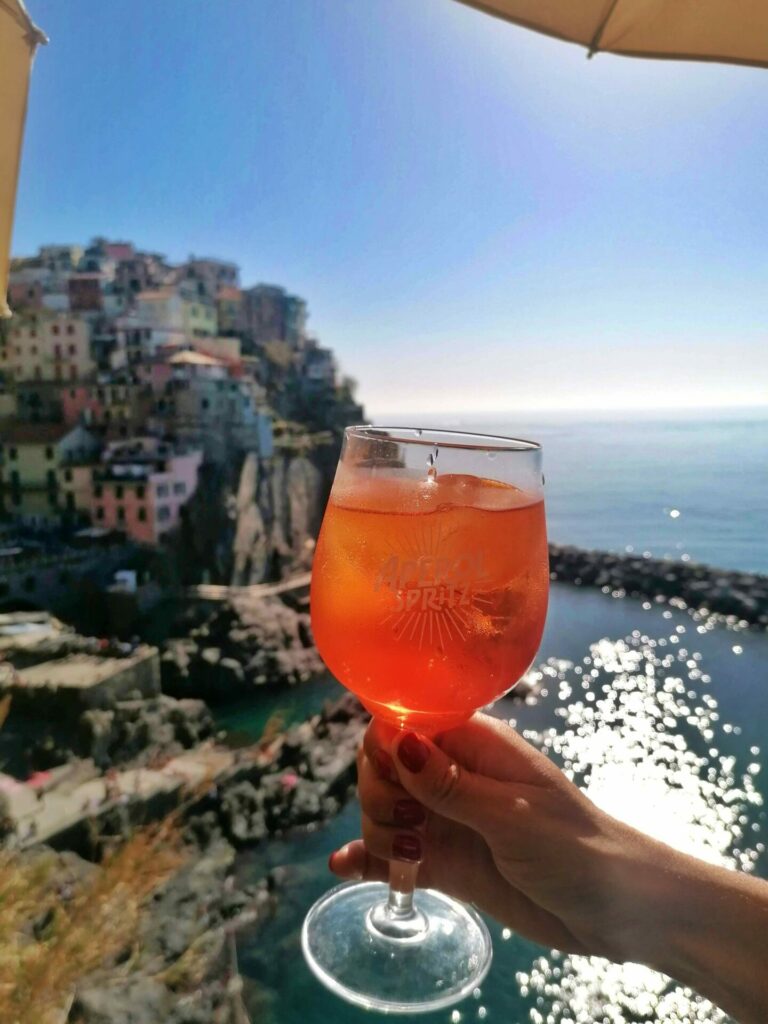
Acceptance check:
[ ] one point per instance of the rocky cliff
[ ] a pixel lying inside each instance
(251, 520)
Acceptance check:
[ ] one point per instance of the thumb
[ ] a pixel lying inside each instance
(444, 786)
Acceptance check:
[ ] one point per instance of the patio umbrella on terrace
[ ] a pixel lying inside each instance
(726, 31)
(18, 40)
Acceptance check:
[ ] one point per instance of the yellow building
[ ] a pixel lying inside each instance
(46, 347)
(34, 459)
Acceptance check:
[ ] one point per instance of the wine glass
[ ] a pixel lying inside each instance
(429, 595)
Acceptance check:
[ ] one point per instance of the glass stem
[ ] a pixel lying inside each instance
(402, 882)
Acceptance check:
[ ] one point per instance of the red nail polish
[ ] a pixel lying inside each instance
(384, 765)
(413, 752)
(406, 848)
(330, 861)
(409, 813)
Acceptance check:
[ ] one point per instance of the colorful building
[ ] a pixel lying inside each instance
(86, 293)
(140, 487)
(33, 459)
(161, 312)
(46, 347)
(199, 318)
(230, 309)
(121, 406)
(208, 276)
(271, 314)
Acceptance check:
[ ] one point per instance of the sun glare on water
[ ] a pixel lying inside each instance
(640, 735)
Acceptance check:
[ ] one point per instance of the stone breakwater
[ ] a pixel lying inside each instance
(740, 594)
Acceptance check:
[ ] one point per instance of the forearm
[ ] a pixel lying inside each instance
(705, 926)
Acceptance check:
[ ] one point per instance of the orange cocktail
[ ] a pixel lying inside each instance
(429, 592)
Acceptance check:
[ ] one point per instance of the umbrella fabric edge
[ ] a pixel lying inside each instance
(19, 48)
(494, 12)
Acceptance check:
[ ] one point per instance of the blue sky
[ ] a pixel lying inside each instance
(479, 217)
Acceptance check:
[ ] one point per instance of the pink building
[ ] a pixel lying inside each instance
(141, 486)
(156, 372)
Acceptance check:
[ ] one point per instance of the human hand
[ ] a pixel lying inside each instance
(494, 822)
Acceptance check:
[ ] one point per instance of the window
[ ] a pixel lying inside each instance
(120, 514)
(98, 490)
(205, 404)
(140, 491)
(142, 515)
(49, 453)
(33, 334)
(57, 350)
(162, 490)
(73, 373)
(163, 513)
(34, 350)
(55, 329)
(70, 501)
(119, 491)
(68, 475)
(72, 349)
(13, 454)
(51, 478)
(180, 488)
(70, 329)
(100, 512)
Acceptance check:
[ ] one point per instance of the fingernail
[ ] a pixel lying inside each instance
(409, 813)
(330, 861)
(413, 752)
(384, 765)
(406, 848)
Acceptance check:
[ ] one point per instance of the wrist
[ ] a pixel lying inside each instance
(700, 924)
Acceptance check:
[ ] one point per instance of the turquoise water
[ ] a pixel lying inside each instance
(730, 690)
(613, 484)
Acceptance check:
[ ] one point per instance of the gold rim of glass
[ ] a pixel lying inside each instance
(444, 438)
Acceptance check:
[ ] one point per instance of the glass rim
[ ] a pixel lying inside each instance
(431, 437)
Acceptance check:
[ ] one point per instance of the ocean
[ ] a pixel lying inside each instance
(692, 487)
(614, 485)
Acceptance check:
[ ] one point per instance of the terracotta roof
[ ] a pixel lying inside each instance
(33, 433)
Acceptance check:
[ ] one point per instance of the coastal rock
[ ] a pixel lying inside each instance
(189, 916)
(137, 730)
(251, 519)
(740, 594)
(250, 641)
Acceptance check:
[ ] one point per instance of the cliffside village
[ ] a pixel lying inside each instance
(127, 385)
(120, 375)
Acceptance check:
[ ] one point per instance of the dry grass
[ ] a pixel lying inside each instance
(98, 922)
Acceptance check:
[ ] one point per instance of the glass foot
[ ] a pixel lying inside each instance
(369, 958)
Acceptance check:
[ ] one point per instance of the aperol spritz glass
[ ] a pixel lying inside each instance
(429, 595)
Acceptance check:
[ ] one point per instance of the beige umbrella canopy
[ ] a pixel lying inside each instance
(728, 31)
(18, 40)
